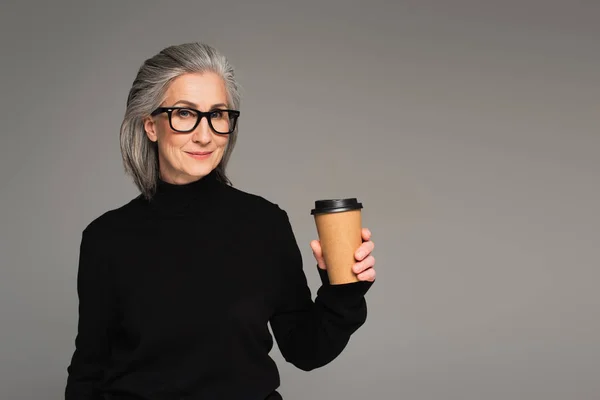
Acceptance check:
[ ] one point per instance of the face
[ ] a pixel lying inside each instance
(187, 157)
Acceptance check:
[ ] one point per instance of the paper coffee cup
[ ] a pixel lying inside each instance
(339, 227)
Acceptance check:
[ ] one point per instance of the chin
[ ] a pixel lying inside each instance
(199, 171)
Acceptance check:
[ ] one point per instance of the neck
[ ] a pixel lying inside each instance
(172, 198)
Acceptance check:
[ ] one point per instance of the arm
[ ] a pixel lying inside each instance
(311, 334)
(96, 316)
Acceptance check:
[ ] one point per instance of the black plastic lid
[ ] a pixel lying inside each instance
(335, 205)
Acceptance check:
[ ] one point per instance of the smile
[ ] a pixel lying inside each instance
(200, 155)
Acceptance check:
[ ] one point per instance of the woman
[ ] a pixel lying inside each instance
(176, 287)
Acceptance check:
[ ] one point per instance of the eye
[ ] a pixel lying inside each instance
(216, 114)
(184, 113)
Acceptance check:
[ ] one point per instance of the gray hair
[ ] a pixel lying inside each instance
(140, 154)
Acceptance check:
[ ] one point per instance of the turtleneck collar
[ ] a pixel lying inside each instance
(174, 198)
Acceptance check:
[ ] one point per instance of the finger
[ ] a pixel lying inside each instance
(366, 234)
(364, 250)
(368, 275)
(315, 245)
(363, 265)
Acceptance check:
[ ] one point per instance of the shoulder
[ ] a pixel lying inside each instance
(252, 203)
(115, 219)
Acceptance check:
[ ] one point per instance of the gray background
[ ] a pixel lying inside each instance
(469, 129)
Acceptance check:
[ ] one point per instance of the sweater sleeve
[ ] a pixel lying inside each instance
(96, 315)
(310, 334)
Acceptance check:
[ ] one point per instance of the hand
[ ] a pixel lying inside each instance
(365, 262)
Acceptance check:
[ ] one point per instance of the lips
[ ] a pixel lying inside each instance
(199, 155)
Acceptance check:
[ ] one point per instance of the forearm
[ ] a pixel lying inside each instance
(316, 333)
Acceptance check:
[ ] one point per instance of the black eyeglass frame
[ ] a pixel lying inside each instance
(200, 114)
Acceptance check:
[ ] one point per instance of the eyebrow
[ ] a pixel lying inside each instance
(189, 103)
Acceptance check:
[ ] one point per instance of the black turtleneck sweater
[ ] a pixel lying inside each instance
(175, 295)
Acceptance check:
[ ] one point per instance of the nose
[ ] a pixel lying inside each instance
(202, 134)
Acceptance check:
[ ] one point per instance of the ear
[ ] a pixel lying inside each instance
(150, 128)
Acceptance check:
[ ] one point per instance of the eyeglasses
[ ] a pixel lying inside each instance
(185, 119)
